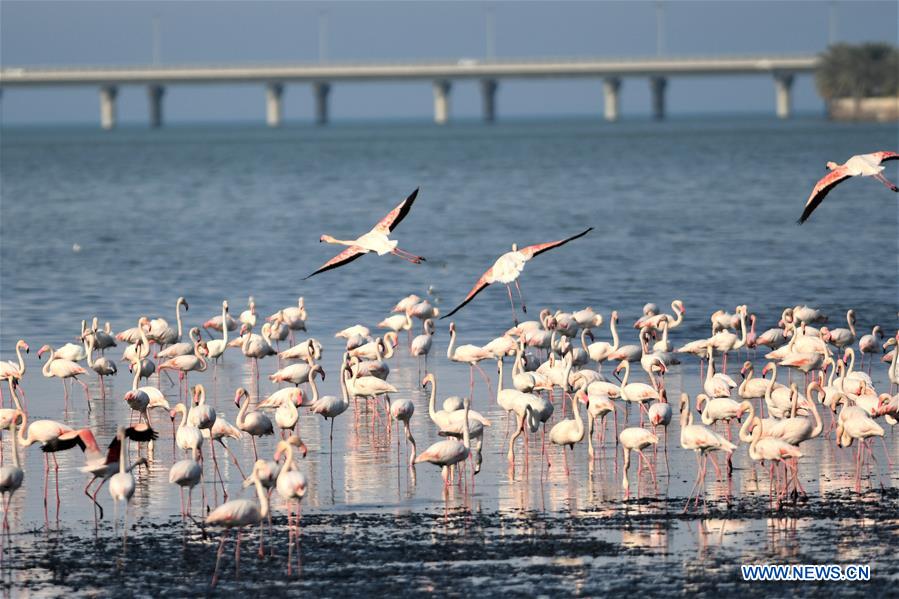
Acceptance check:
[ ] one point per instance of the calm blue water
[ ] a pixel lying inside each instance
(700, 210)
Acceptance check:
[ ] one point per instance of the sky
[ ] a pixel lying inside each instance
(74, 33)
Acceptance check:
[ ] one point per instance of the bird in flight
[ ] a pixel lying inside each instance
(507, 268)
(862, 165)
(377, 240)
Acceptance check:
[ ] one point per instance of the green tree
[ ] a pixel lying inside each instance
(858, 71)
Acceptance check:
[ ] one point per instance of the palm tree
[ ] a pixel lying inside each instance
(858, 71)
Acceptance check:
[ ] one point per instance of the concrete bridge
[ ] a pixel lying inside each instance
(322, 75)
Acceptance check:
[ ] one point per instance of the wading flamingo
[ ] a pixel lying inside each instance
(64, 369)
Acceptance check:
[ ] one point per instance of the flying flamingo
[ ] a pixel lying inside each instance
(239, 513)
(508, 267)
(64, 369)
(864, 165)
(377, 240)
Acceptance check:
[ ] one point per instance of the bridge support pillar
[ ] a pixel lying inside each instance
(658, 85)
(321, 90)
(154, 96)
(610, 88)
(273, 93)
(488, 98)
(441, 101)
(108, 95)
(783, 85)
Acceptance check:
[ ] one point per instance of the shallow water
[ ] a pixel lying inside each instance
(700, 210)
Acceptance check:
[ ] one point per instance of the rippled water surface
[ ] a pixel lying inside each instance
(699, 210)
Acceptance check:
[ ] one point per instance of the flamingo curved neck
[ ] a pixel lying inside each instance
(21, 360)
(241, 414)
(23, 440)
(432, 401)
(135, 365)
(770, 388)
(263, 499)
(614, 326)
(744, 435)
(627, 373)
(45, 370)
(178, 317)
(452, 343)
(89, 350)
(224, 326)
(123, 455)
(679, 318)
(15, 399)
(819, 424)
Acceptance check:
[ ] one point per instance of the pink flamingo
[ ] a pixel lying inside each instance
(508, 267)
(13, 372)
(861, 165)
(377, 240)
(64, 369)
(468, 354)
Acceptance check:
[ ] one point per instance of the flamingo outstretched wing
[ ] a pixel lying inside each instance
(344, 257)
(396, 216)
(822, 188)
(482, 283)
(534, 250)
(887, 156)
(141, 433)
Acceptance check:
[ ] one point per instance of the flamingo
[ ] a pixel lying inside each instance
(256, 346)
(568, 431)
(330, 406)
(599, 351)
(185, 473)
(11, 371)
(773, 450)
(377, 240)
(660, 414)
(102, 467)
(468, 354)
(402, 410)
(310, 348)
(861, 165)
(857, 427)
(841, 337)
(655, 321)
(507, 269)
(182, 348)
(421, 344)
(636, 392)
(248, 316)
(703, 441)
(716, 384)
(255, 423)
(122, 485)
(449, 452)
(396, 323)
(11, 477)
(193, 362)
(216, 347)
(239, 513)
(635, 439)
(188, 436)
(161, 332)
(870, 344)
(291, 483)
(293, 317)
(102, 366)
(64, 369)
(599, 405)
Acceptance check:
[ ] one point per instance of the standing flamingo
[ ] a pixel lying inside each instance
(11, 371)
(507, 269)
(468, 354)
(402, 410)
(861, 165)
(64, 369)
(255, 423)
(449, 452)
(635, 439)
(377, 240)
(239, 513)
(11, 477)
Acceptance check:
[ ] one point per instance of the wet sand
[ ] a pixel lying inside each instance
(464, 552)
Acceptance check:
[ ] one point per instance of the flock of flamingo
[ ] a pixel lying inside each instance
(557, 387)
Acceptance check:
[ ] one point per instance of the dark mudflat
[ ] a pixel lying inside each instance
(643, 546)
